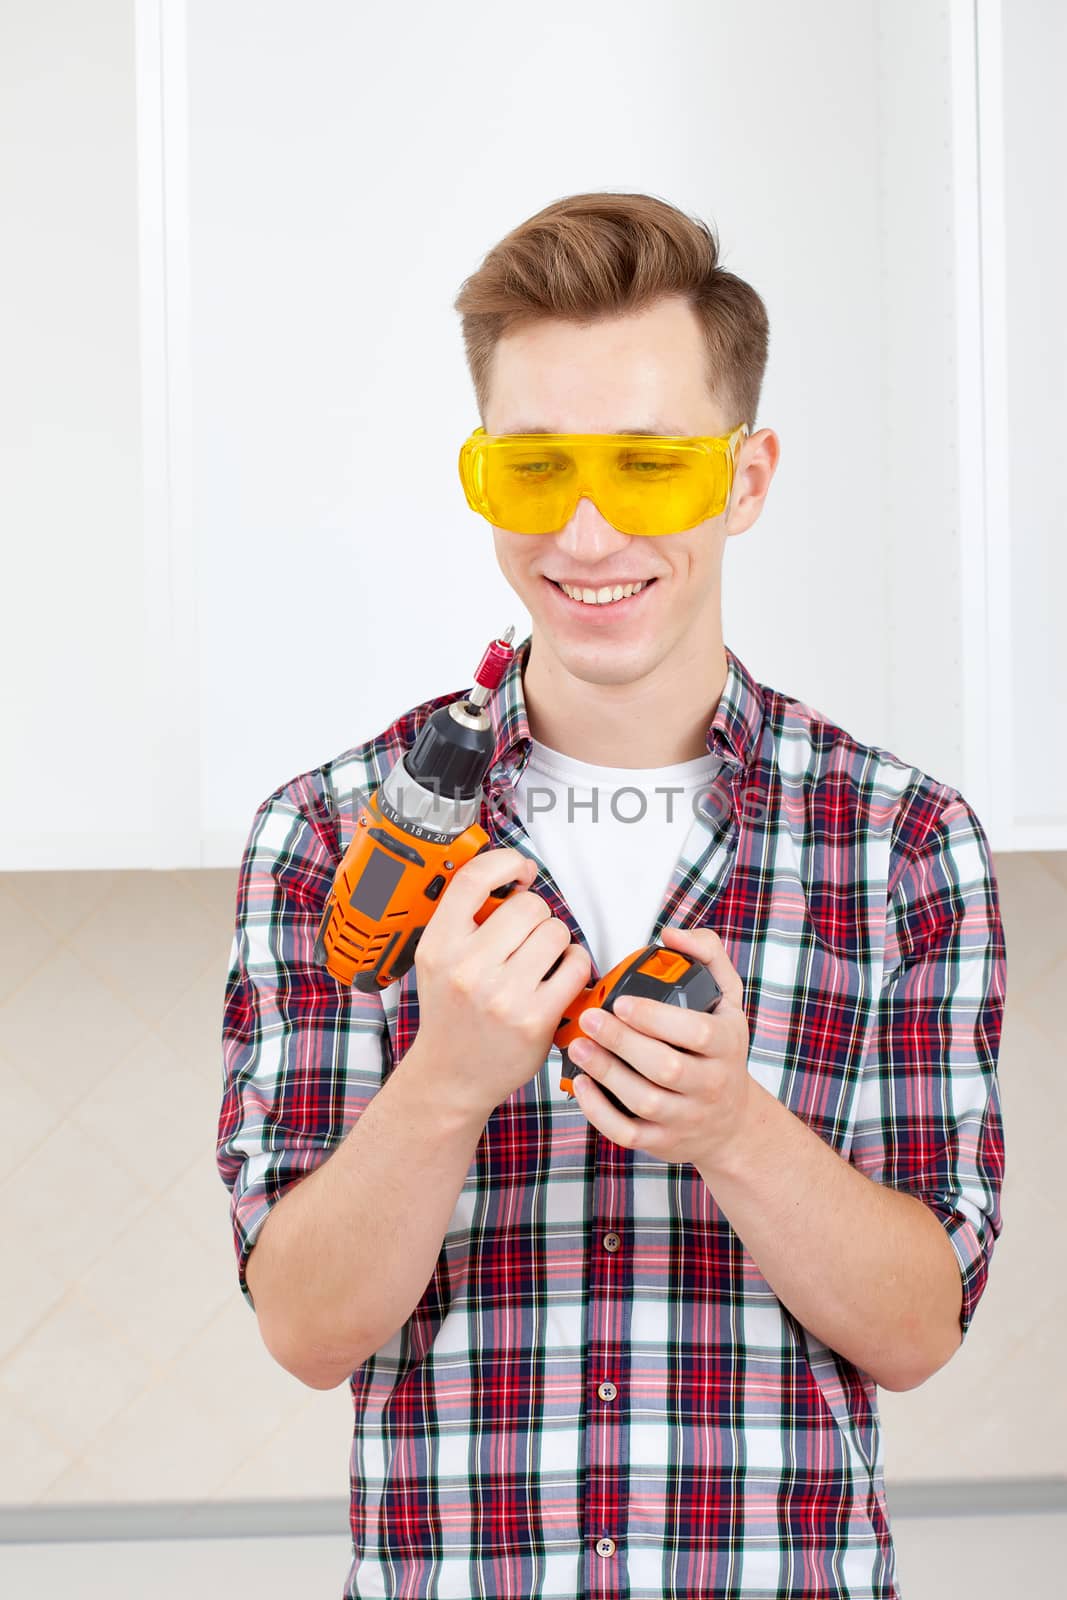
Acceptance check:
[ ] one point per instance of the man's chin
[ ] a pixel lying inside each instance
(597, 655)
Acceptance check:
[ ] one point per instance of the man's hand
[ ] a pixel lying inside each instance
(683, 1073)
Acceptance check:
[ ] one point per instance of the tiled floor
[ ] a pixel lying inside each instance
(983, 1558)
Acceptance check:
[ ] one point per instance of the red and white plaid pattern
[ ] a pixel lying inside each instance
(598, 1393)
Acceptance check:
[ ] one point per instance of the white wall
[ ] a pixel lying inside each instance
(237, 233)
(336, 208)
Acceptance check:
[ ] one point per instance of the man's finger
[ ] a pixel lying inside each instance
(705, 945)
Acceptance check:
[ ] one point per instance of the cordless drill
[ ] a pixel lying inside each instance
(414, 833)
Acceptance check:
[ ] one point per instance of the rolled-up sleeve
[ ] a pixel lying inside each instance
(302, 1054)
(928, 1115)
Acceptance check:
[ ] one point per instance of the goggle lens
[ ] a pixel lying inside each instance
(532, 483)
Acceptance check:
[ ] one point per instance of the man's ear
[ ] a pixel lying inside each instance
(756, 467)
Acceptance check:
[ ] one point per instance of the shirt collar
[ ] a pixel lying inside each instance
(733, 734)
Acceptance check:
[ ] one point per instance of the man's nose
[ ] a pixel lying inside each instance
(589, 535)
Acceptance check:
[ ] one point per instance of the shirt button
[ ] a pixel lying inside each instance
(611, 1241)
(605, 1547)
(607, 1391)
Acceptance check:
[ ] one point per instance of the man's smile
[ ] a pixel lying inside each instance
(608, 598)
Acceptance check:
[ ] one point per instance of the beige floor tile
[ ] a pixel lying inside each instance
(232, 1373)
(28, 1117)
(30, 1459)
(1033, 904)
(306, 1457)
(158, 1284)
(68, 1199)
(64, 1029)
(171, 1443)
(1022, 1424)
(153, 1114)
(62, 900)
(214, 887)
(72, 1374)
(1039, 996)
(149, 940)
(1056, 863)
(202, 1198)
(78, 1484)
(25, 942)
(193, 1025)
(32, 1286)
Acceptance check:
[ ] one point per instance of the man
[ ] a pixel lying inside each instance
(631, 1345)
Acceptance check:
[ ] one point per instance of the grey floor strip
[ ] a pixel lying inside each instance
(258, 1519)
(983, 1497)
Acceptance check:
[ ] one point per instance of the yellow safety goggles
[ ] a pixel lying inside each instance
(641, 483)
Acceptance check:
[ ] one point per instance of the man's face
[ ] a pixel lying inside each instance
(617, 375)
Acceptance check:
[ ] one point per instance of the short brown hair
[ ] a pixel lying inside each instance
(593, 255)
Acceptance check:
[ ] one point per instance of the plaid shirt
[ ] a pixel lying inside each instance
(599, 1393)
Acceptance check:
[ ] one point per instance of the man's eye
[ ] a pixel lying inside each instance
(542, 467)
(646, 467)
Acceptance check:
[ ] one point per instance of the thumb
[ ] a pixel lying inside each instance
(705, 945)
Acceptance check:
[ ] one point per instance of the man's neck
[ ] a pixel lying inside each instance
(658, 721)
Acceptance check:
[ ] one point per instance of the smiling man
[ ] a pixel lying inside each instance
(627, 683)
(630, 1342)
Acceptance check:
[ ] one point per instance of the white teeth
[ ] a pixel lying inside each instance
(602, 597)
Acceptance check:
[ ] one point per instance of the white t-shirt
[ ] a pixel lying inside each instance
(609, 839)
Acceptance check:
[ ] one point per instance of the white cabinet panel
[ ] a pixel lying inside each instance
(1035, 246)
(77, 740)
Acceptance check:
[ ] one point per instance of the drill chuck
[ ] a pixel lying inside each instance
(452, 753)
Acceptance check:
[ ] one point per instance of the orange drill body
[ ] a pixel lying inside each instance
(384, 893)
(654, 971)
